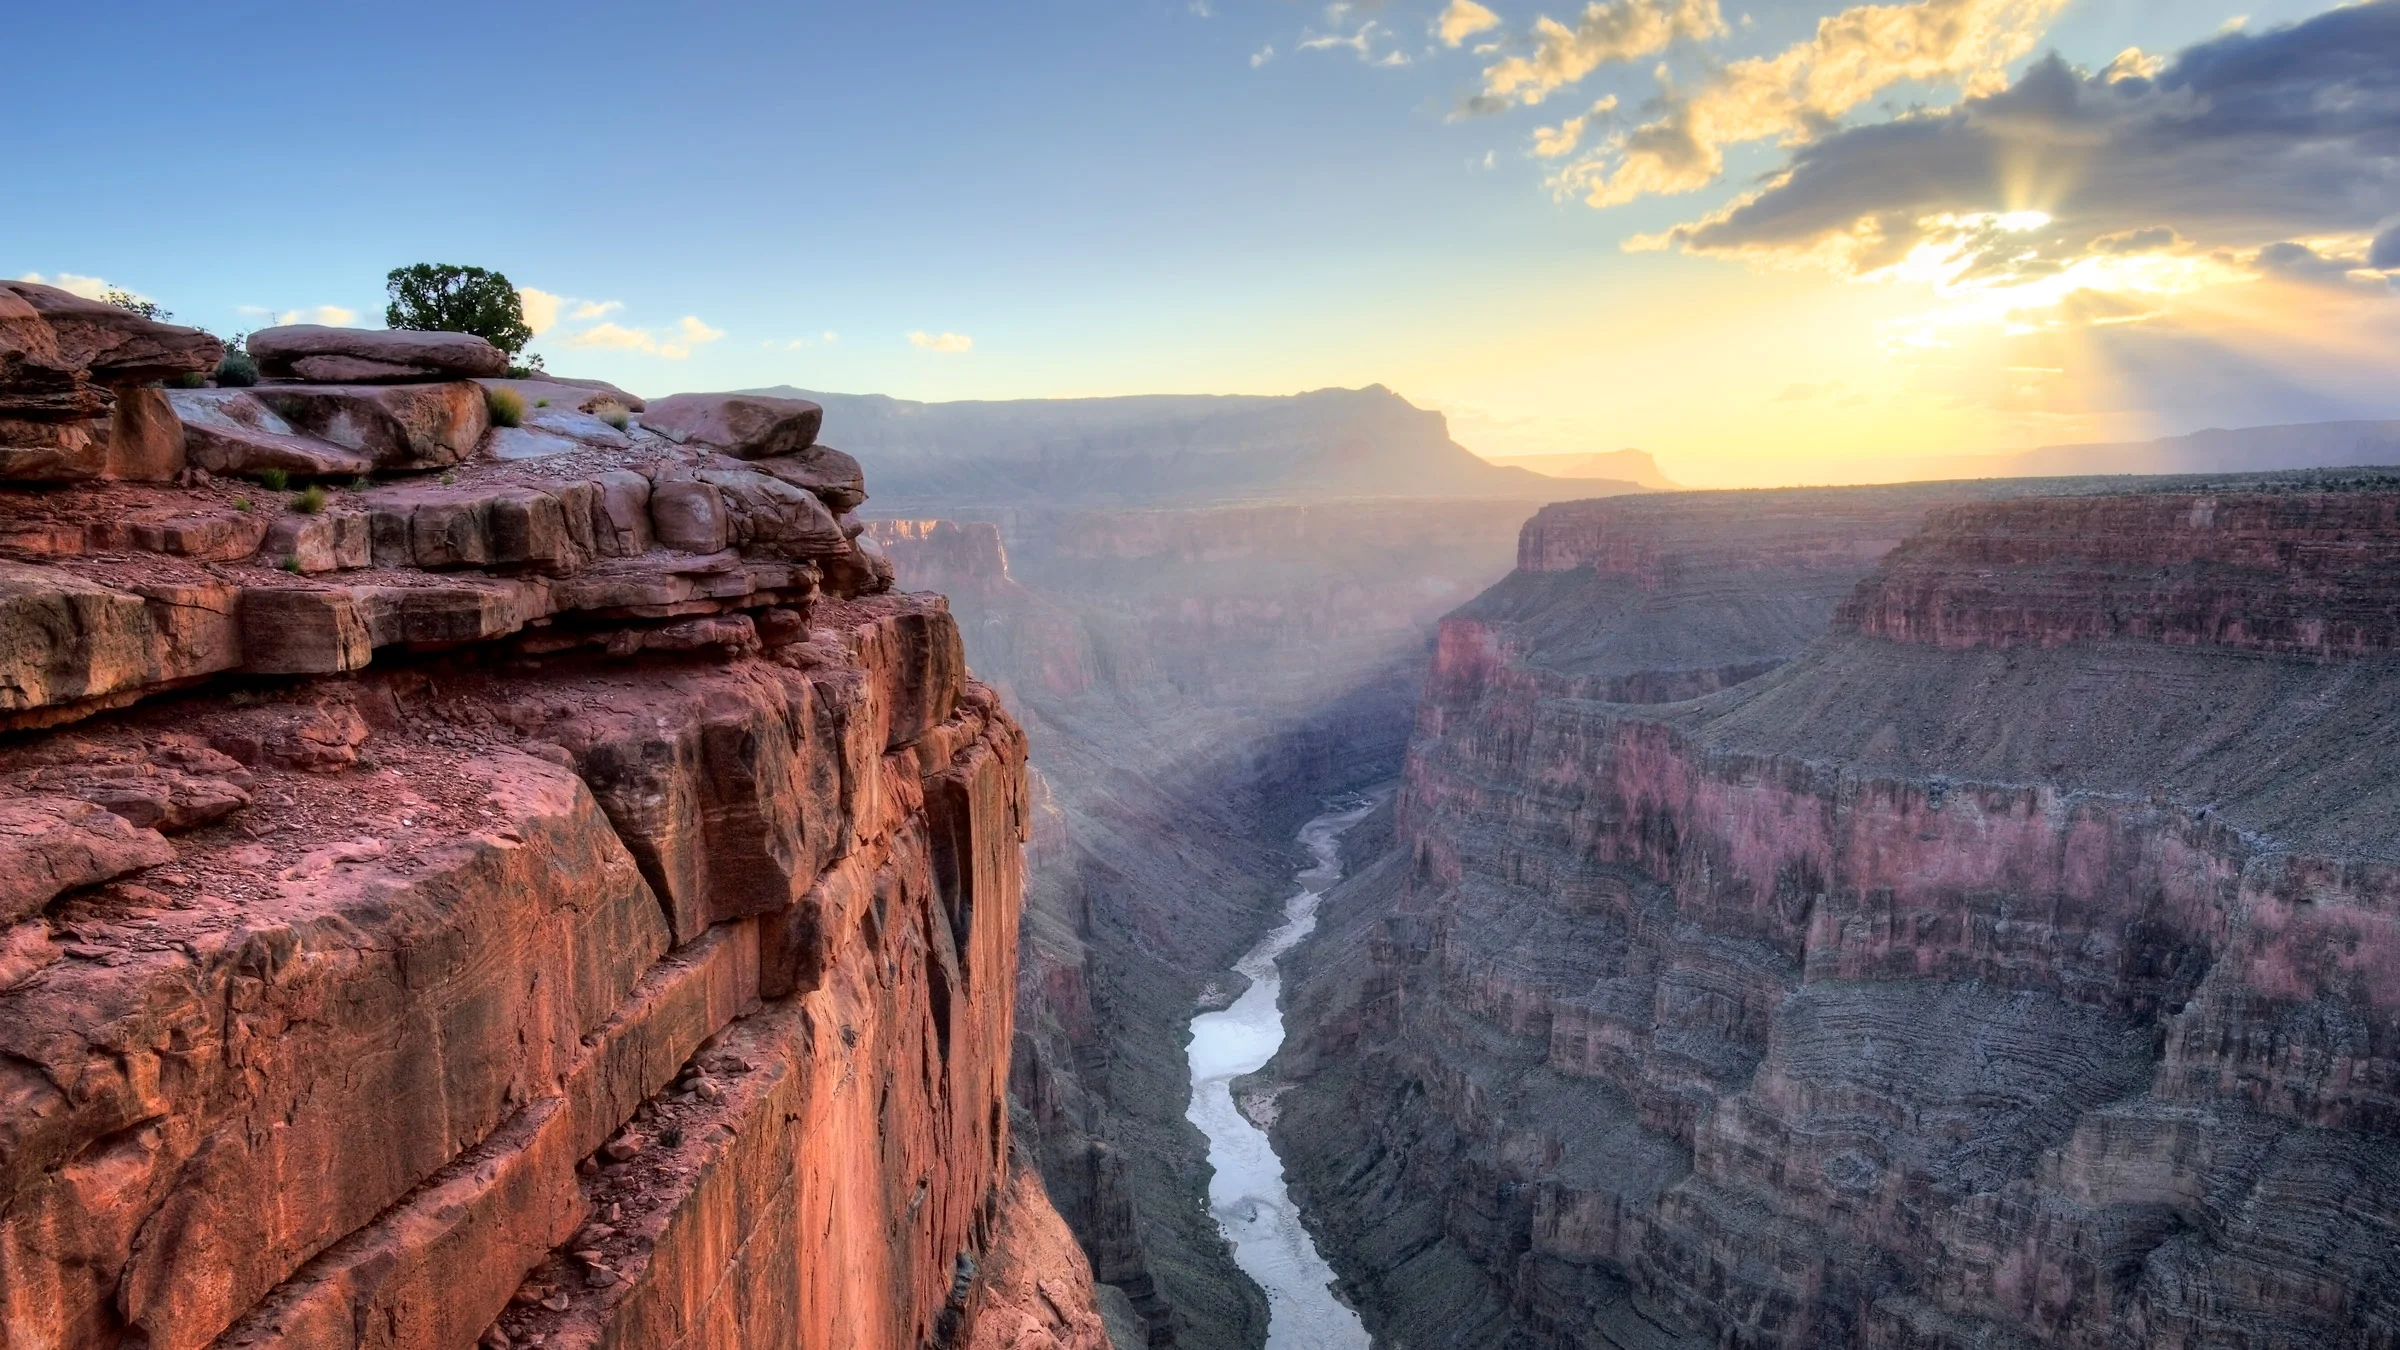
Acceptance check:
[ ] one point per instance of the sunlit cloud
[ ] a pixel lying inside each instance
(541, 308)
(675, 344)
(949, 344)
(1362, 43)
(1794, 95)
(1561, 140)
(1262, 56)
(1463, 19)
(73, 283)
(1609, 31)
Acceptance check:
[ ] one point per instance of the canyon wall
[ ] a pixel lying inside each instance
(1195, 681)
(2011, 963)
(564, 902)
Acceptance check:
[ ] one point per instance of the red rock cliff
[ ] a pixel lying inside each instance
(2032, 980)
(565, 904)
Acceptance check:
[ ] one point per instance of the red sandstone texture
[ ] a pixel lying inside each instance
(2033, 979)
(415, 960)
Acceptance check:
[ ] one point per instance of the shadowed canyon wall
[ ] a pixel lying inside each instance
(1194, 680)
(2008, 962)
(466, 912)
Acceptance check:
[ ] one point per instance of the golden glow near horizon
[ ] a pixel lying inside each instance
(2059, 255)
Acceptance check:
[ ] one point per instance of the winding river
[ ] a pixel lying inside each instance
(1247, 1193)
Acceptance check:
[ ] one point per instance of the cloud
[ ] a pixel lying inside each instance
(543, 311)
(949, 344)
(1561, 140)
(1796, 94)
(674, 345)
(2384, 256)
(1463, 19)
(1609, 31)
(2243, 141)
(1362, 42)
(2291, 260)
(90, 288)
(1201, 10)
(541, 308)
(1262, 56)
(332, 316)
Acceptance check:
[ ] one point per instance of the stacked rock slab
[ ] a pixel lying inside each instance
(75, 396)
(463, 914)
(2013, 966)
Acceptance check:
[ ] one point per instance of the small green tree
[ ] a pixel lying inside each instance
(148, 309)
(444, 298)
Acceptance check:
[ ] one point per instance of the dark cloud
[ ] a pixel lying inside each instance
(2299, 262)
(2385, 256)
(2241, 141)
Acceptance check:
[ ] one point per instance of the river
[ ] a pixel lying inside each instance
(1247, 1193)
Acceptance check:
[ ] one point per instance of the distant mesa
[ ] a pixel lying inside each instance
(1170, 450)
(1624, 466)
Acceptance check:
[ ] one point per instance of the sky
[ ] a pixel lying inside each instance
(1768, 240)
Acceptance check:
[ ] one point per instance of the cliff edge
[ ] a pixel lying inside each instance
(484, 870)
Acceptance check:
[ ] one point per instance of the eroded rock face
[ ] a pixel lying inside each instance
(2025, 980)
(577, 944)
(65, 362)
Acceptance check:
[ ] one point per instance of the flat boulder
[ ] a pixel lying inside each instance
(745, 426)
(398, 426)
(231, 431)
(322, 355)
(557, 391)
(834, 476)
(113, 346)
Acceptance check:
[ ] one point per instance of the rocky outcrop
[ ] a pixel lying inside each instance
(73, 401)
(2008, 966)
(474, 922)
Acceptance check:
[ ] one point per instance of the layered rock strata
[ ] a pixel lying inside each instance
(527, 929)
(2011, 966)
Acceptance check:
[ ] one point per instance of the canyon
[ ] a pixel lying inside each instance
(487, 863)
(1194, 680)
(1928, 917)
(502, 862)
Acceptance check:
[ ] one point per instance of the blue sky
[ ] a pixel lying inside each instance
(1058, 198)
